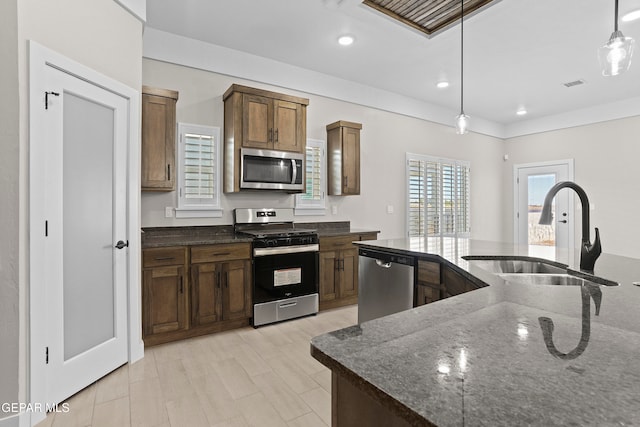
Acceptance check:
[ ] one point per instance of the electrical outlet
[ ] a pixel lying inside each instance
(389, 209)
(168, 212)
(334, 210)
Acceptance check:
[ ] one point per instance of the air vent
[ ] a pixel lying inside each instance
(574, 83)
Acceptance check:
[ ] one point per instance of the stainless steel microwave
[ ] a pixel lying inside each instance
(271, 170)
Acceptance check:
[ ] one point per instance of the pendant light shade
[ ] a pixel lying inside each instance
(462, 120)
(615, 55)
(462, 123)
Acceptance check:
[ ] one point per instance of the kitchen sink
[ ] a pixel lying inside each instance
(553, 279)
(535, 272)
(516, 266)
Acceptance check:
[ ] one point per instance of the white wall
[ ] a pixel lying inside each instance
(9, 207)
(100, 34)
(606, 157)
(385, 139)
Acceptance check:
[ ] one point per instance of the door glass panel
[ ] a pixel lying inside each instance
(538, 186)
(88, 311)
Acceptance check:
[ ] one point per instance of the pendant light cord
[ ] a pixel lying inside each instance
(615, 23)
(462, 55)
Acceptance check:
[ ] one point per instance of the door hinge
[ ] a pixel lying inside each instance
(46, 98)
(518, 180)
(46, 355)
(517, 214)
(46, 228)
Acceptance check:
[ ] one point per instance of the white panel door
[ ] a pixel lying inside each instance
(533, 182)
(86, 211)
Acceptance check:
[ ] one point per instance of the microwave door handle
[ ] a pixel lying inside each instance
(295, 171)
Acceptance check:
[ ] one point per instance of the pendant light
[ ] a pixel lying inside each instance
(615, 55)
(462, 120)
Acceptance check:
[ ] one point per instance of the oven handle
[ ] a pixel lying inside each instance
(257, 252)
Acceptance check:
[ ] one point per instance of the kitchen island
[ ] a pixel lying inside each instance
(481, 358)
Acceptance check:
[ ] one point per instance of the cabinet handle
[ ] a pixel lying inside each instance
(222, 254)
(226, 279)
(218, 279)
(346, 182)
(181, 285)
(342, 264)
(169, 172)
(165, 258)
(276, 135)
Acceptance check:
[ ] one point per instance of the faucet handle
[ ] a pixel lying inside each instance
(589, 253)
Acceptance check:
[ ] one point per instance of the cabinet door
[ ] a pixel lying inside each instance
(205, 294)
(348, 267)
(164, 300)
(350, 161)
(328, 275)
(454, 283)
(286, 117)
(236, 289)
(158, 143)
(426, 294)
(257, 122)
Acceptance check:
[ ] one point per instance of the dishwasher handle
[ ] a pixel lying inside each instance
(383, 264)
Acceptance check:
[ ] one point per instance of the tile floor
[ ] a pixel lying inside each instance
(246, 377)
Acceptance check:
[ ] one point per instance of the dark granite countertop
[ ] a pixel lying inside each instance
(480, 358)
(157, 237)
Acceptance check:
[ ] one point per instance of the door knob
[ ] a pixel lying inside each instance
(121, 244)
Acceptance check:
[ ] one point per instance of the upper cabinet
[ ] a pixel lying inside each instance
(158, 139)
(343, 145)
(256, 118)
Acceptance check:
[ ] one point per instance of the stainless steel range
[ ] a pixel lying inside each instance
(285, 264)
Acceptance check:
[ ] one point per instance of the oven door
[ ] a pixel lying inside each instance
(284, 275)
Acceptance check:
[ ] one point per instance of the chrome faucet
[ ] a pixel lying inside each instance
(588, 252)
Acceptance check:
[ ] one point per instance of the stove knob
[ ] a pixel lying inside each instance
(271, 242)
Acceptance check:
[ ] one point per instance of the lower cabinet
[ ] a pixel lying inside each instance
(191, 291)
(435, 281)
(339, 270)
(220, 291)
(164, 302)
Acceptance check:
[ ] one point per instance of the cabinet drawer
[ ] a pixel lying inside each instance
(155, 257)
(215, 253)
(428, 272)
(337, 243)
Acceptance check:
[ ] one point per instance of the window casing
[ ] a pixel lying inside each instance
(312, 202)
(198, 170)
(438, 197)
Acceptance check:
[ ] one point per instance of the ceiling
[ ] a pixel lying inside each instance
(517, 53)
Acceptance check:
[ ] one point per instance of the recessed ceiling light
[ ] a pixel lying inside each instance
(631, 16)
(442, 85)
(521, 112)
(346, 40)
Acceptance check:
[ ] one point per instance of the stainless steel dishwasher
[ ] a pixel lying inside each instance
(385, 284)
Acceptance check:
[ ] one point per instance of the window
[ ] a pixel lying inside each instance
(198, 171)
(312, 202)
(438, 196)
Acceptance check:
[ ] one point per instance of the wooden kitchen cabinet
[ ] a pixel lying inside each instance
(158, 139)
(214, 296)
(164, 302)
(339, 270)
(455, 283)
(428, 286)
(257, 118)
(343, 144)
(221, 283)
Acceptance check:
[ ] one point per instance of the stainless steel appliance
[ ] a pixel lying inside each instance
(385, 284)
(285, 264)
(271, 170)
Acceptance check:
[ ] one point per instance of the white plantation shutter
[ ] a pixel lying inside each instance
(438, 196)
(198, 171)
(312, 201)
